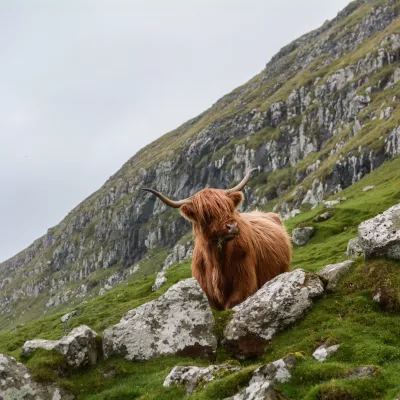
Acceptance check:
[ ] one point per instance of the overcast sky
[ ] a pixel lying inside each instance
(85, 84)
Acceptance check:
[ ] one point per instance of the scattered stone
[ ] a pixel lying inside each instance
(16, 383)
(180, 253)
(380, 236)
(110, 373)
(365, 372)
(368, 188)
(277, 305)
(333, 272)
(300, 236)
(31, 345)
(68, 316)
(262, 384)
(79, 347)
(354, 250)
(180, 322)
(195, 378)
(323, 352)
(160, 280)
(386, 113)
(323, 217)
(331, 203)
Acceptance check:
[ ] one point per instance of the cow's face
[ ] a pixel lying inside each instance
(214, 214)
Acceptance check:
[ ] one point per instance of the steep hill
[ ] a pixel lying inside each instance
(321, 115)
(349, 316)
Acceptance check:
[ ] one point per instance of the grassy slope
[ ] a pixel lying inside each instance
(368, 336)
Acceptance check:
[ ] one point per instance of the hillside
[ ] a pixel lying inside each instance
(349, 316)
(321, 115)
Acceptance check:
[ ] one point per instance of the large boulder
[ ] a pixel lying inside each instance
(262, 384)
(333, 272)
(300, 236)
(180, 322)
(278, 304)
(380, 236)
(195, 378)
(16, 383)
(354, 250)
(79, 347)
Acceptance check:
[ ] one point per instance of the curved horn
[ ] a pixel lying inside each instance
(244, 181)
(167, 201)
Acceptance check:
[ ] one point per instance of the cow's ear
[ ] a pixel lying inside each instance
(237, 198)
(188, 212)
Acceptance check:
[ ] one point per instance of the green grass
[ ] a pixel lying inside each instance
(329, 243)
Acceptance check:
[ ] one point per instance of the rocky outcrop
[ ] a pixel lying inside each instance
(354, 250)
(333, 272)
(301, 236)
(278, 304)
(179, 323)
(196, 378)
(180, 253)
(79, 347)
(322, 353)
(380, 236)
(16, 383)
(262, 384)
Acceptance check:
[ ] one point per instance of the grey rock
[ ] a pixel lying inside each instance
(380, 236)
(333, 272)
(79, 347)
(16, 383)
(195, 378)
(323, 352)
(364, 372)
(161, 279)
(323, 217)
(179, 322)
(354, 250)
(368, 188)
(332, 203)
(301, 236)
(278, 304)
(68, 316)
(180, 253)
(31, 345)
(262, 384)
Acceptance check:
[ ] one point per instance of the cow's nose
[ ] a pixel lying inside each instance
(232, 229)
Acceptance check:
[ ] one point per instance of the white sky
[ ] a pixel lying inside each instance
(85, 84)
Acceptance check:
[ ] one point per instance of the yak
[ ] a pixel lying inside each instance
(235, 253)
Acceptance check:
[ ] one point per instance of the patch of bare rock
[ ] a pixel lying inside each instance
(333, 272)
(262, 384)
(278, 304)
(301, 236)
(195, 378)
(180, 322)
(380, 236)
(16, 383)
(79, 347)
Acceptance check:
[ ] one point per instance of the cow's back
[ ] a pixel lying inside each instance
(271, 243)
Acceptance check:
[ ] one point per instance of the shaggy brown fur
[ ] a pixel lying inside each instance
(230, 268)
